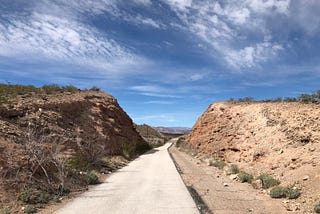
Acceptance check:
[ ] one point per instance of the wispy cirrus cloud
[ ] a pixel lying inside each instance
(155, 91)
(54, 31)
(227, 25)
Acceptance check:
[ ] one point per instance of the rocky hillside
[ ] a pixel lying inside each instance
(151, 135)
(46, 140)
(278, 138)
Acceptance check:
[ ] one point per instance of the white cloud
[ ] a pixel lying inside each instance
(145, 21)
(154, 91)
(143, 2)
(228, 26)
(267, 6)
(180, 4)
(37, 36)
(250, 56)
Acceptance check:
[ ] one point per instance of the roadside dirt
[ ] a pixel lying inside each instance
(219, 192)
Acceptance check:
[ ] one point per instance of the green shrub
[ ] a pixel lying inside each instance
(27, 196)
(78, 162)
(292, 193)
(43, 198)
(50, 89)
(278, 192)
(6, 210)
(317, 207)
(268, 181)
(128, 150)
(179, 141)
(70, 88)
(142, 148)
(94, 88)
(245, 177)
(92, 178)
(284, 192)
(30, 209)
(234, 169)
(219, 164)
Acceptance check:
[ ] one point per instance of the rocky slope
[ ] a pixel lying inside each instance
(278, 138)
(151, 135)
(46, 140)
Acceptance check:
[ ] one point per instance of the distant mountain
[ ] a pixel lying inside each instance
(173, 131)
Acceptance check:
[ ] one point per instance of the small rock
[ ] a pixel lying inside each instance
(312, 149)
(305, 178)
(225, 184)
(23, 208)
(249, 210)
(233, 177)
(281, 151)
(285, 201)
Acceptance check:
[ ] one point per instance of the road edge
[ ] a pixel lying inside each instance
(201, 205)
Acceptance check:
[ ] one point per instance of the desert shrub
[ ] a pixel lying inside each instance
(94, 88)
(179, 142)
(284, 192)
(77, 162)
(278, 192)
(268, 181)
(292, 193)
(246, 99)
(306, 98)
(70, 88)
(92, 178)
(30, 209)
(219, 164)
(245, 177)
(317, 207)
(234, 169)
(50, 89)
(6, 210)
(128, 150)
(106, 162)
(27, 196)
(43, 198)
(142, 148)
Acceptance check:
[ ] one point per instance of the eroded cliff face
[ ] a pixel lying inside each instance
(278, 138)
(75, 119)
(46, 140)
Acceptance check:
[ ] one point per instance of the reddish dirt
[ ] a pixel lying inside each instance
(278, 138)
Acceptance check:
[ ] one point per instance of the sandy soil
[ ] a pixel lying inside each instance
(220, 193)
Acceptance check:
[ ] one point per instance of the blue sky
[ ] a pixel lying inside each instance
(164, 60)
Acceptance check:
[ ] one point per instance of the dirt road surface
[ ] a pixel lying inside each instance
(149, 184)
(220, 193)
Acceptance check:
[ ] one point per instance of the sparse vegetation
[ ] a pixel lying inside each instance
(317, 207)
(278, 192)
(234, 169)
(268, 181)
(27, 196)
(30, 209)
(128, 150)
(304, 98)
(245, 177)
(92, 178)
(6, 210)
(179, 141)
(9, 91)
(284, 192)
(219, 164)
